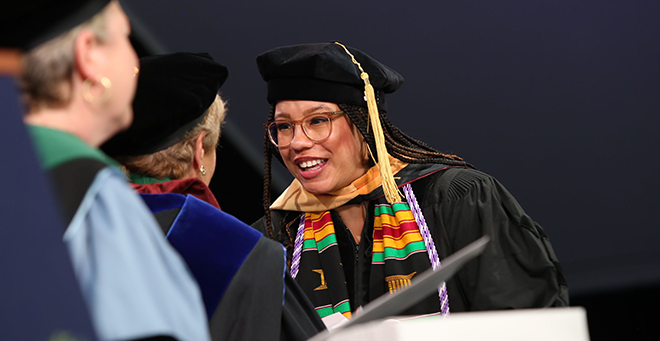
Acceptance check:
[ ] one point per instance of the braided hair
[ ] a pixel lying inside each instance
(399, 145)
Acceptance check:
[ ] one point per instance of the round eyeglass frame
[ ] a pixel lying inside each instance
(331, 115)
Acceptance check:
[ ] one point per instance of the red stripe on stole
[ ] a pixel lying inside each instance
(319, 224)
(403, 235)
(403, 221)
(380, 238)
(378, 234)
(396, 231)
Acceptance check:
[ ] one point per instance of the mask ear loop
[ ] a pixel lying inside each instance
(392, 194)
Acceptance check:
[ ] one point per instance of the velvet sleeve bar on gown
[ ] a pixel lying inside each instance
(518, 268)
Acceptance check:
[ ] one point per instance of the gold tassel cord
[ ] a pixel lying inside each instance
(389, 185)
(390, 188)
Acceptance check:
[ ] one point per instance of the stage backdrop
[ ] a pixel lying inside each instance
(559, 100)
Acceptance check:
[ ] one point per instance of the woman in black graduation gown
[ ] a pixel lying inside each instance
(371, 207)
(169, 152)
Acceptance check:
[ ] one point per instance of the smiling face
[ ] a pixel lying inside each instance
(327, 166)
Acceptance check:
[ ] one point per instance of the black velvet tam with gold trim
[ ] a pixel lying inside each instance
(173, 94)
(324, 72)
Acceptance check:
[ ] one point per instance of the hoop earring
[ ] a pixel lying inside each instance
(203, 170)
(87, 95)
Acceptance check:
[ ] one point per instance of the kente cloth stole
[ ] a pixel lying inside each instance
(317, 240)
(402, 248)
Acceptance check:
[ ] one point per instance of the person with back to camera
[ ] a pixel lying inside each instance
(370, 207)
(78, 82)
(170, 154)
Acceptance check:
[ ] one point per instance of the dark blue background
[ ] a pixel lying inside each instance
(557, 99)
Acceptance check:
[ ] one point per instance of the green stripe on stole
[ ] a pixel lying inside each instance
(323, 243)
(381, 232)
(309, 244)
(323, 312)
(390, 210)
(410, 248)
(342, 308)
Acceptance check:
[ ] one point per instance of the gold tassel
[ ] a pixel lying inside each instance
(390, 188)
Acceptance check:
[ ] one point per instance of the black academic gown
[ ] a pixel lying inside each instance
(517, 270)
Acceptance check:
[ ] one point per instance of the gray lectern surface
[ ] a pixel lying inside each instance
(550, 324)
(422, 286)
(39, 295)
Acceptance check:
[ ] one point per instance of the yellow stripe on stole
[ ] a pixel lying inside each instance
(309, 233)
(316, 217)
(401, 217)
(401, 242)
(392, 224)
(326, 230)
(397, 243)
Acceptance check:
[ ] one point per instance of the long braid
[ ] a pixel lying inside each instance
(267, 179)
(268, 153)
(400, 145)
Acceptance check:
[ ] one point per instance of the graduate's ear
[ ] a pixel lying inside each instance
(199, 152)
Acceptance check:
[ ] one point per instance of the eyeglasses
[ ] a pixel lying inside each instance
(316, 127)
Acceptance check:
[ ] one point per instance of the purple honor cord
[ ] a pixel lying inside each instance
(297, 247)
(430, 245)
